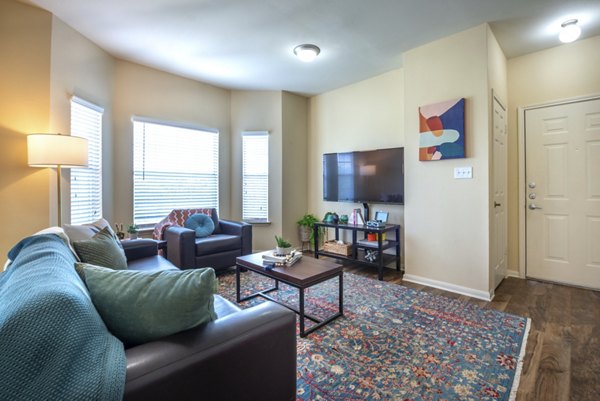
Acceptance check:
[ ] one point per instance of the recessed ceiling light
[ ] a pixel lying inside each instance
(569, 31)
(307, 52)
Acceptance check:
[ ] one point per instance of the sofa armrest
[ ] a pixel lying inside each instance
(181, 246)
(247, 355)
(240, 228)
(139, 248)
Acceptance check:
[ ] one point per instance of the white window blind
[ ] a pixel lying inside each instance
(173, 167)
(86, 183)
(255, 176)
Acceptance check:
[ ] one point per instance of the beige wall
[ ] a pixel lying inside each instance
(562, 72)
(447, 220)
(295, 155)
(258, 111)
(145, 92)
(24, 109)
(362, 116)
(80, 68)
(284, 115)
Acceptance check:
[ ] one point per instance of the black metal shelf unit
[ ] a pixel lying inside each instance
(364, 253)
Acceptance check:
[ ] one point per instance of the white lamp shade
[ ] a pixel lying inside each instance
(50, 150)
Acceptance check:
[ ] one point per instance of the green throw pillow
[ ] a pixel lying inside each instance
(141, 306)
(102, 250)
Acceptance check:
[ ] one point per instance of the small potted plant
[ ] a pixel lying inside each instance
(283, 246)
(133, 229)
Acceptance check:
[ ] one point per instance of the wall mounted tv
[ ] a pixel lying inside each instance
(367, 176)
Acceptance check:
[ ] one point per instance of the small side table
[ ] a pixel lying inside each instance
(162, 246)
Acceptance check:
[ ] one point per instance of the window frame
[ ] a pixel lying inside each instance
(94, 169)
(140, 218)
(256, 219)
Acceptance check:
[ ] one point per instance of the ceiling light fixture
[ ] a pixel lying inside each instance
(569, 31)
(307, 52)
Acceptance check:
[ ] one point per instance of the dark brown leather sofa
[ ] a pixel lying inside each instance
(243, 355)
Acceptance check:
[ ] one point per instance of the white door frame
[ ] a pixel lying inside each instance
(496, 97)
(522, 192)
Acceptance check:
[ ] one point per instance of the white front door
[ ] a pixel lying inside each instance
(499, 240)
(562, 170)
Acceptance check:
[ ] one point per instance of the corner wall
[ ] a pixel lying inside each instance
(258, 111)
(25, 33)
(294, 164)
(80, 68)
(447, 220)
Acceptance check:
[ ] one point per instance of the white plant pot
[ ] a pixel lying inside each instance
(283, 251)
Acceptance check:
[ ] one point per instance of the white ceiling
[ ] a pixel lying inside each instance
(247, 44)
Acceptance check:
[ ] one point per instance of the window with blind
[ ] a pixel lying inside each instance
(86, 183)
(255, 176)
(174, 166)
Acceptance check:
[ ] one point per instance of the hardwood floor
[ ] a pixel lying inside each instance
(562, 360)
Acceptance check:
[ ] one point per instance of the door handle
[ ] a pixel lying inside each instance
(532, 206)
(496, 204)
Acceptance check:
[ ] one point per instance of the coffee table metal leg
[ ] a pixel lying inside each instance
(237, 283)
(341, 293)
(302, 333)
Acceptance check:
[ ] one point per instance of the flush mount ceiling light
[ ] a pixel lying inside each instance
(307, 52)
(569, 31)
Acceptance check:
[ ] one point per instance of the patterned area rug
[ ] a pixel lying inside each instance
(396, 343)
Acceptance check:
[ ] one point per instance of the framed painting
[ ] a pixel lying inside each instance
(442, 130)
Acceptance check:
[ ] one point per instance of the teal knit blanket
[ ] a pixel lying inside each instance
(53, 343)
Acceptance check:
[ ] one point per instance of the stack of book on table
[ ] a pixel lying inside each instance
(282, 260)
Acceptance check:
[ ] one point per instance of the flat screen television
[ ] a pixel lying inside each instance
(366, 176)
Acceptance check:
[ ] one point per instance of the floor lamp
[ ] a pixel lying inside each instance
(59, 151)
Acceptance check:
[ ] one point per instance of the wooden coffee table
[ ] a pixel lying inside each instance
(303, 274)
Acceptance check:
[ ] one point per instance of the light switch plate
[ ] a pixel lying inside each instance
(463, 172)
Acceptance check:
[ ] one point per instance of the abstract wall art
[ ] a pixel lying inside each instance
(442, 130)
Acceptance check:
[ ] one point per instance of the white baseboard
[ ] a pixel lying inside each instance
(470, 292)
(513, 273)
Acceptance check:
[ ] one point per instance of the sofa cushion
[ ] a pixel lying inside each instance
(141, 306)
(201, 224)
(217, 243)
(86, 231)
(102, 250)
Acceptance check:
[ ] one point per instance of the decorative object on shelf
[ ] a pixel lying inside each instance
(442, 130)
(331, 218)
(60, 151)
(370, 255)
(338, 247)
(382, 216)
(375, 223)
(283, 246)
(356, 218)
(344, 219)
(119, 231)
(133, 229)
